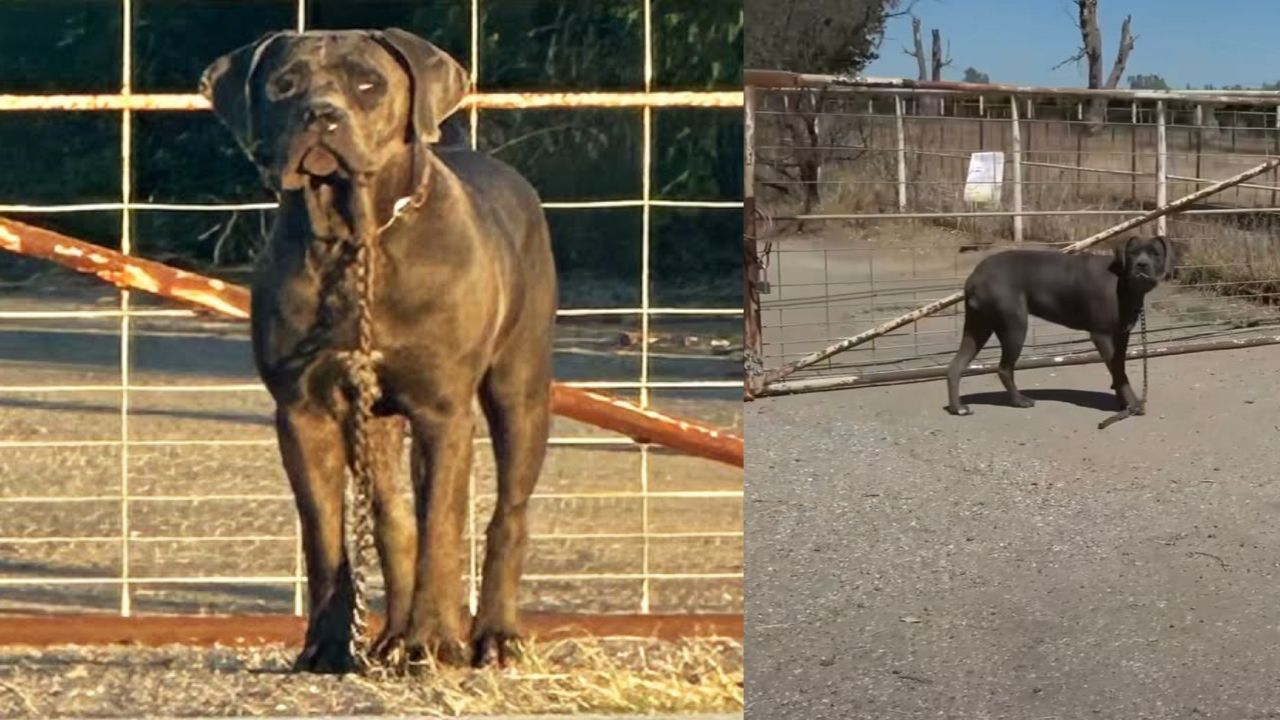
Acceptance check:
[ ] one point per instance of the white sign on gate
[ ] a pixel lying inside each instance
(986, 173)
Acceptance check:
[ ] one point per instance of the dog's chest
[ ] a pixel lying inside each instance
(425, 322)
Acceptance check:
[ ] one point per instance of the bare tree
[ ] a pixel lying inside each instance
(1091, 52)
(929, 68)
(922, 72)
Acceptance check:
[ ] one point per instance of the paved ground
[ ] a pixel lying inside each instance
(1018, 564)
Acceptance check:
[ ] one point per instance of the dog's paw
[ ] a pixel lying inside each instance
(328, 656)
(425, 655)
(960, 410)
(1022, 401)
(494, 647)
(390, 651)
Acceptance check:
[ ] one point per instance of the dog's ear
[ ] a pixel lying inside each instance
(226, 84)
(437, 82)
(1122, 255)
(1169, 255)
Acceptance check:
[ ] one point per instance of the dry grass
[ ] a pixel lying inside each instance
(1240, 259)
(571, 676)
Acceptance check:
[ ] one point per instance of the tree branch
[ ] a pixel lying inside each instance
(1073, 59)
(1122, 53)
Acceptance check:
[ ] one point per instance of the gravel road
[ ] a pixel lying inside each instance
(1018, 564)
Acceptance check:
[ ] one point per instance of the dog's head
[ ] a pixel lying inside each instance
(318, 107)
(1143, 262)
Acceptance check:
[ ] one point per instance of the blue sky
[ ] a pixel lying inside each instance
(1019, 41)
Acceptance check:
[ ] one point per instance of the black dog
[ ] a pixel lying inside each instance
(1095, 293)
(345, 128)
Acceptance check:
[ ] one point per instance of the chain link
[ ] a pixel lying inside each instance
(1142, 317)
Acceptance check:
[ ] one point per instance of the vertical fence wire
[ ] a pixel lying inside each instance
(126, 247)
(646, 190)
(299, 561)
(473, 539)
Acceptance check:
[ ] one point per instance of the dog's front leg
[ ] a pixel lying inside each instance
(312, 449)
(1119, 378)
(516, 402)
(396, 535)
(442, 447)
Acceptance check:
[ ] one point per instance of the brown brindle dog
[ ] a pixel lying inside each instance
(463, 305)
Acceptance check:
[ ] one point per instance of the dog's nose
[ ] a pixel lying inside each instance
(325, 115)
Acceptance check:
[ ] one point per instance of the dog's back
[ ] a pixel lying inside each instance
(1065, 289)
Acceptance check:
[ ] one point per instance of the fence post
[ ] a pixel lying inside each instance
(902, 154)
(1016, 141)
(753, 344)
(1199, 138)
(1162, 167)
(1275, 138)
(1133, 151)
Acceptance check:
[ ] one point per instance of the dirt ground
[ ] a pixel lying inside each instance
(1018, 564)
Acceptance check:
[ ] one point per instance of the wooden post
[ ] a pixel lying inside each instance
(1162, 168)
(902, 154)
(1016, 142)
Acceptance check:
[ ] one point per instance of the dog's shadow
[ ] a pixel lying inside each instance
(1090, 399)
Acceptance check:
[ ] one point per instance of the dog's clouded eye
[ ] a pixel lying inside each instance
(366, 81)
(283, 85)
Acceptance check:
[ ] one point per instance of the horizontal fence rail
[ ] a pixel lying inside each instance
(875, 197)
(482, 101)
(178, 501)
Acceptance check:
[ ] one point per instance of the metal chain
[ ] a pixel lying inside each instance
(1142, 317)
(362, 374)
(362, 377)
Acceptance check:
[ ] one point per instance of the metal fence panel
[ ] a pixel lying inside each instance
(141, 483)
(862, 188)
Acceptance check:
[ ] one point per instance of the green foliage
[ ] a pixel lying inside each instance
(573, 45)
(1147, 82)
(972, 75)
(816, 36)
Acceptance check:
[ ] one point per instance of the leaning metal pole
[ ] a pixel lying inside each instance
(581, 404)
(774, 376)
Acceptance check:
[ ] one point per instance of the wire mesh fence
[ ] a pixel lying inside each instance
(139, 463)
(877, 200)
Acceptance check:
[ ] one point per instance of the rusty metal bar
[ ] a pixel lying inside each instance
(486, 101)
(891, 325)
(642, 425)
